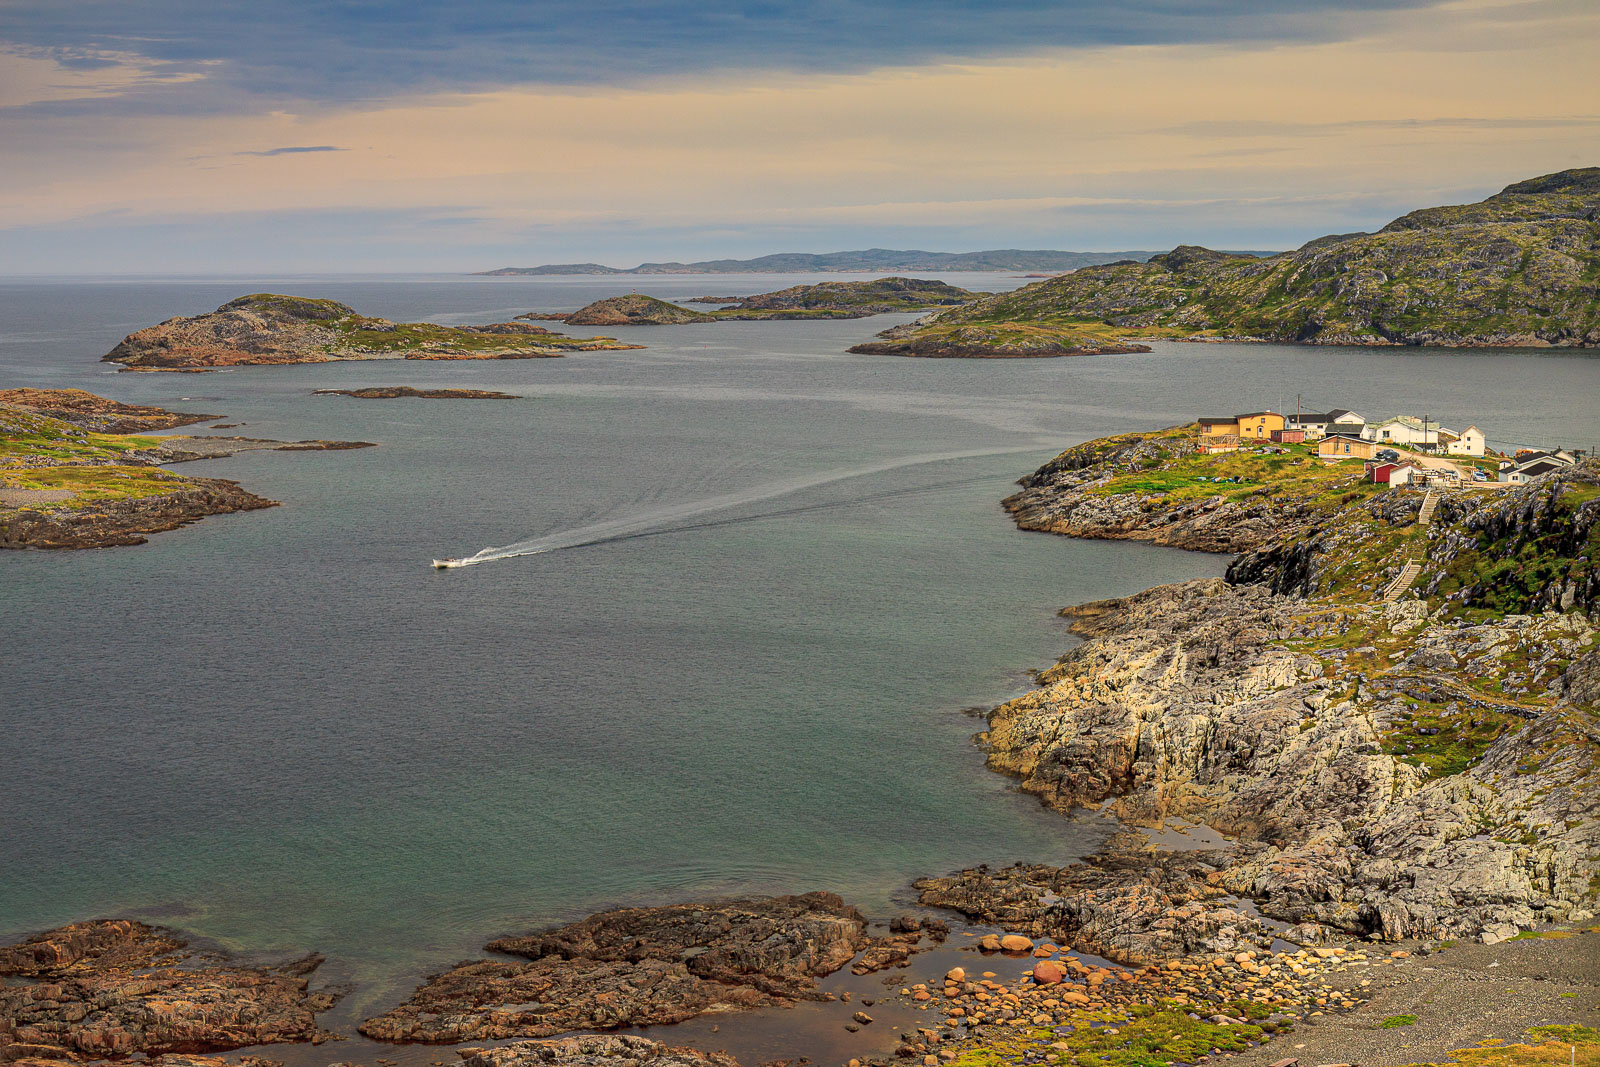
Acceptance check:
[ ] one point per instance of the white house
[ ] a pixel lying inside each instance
(1529, 466)
(1406, 430)
(1320, 424)
(1470, 443)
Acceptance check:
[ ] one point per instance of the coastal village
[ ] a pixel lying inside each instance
(1399, 450)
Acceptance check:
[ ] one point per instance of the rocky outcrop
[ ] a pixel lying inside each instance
(638, 967)
(593, 1050)
(113, 523)
(634, 309)
(1134, 907)
(98, 413)
(267, 328)
(1373, 794)
(111, 988)
(394, 392)
(1518, 269)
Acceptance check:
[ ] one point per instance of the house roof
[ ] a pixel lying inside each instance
(1253, 414)
(1347, 437)
(1219, 418)
(1338, 412)
(1541, 466)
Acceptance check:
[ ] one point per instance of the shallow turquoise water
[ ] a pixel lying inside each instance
(284, 731)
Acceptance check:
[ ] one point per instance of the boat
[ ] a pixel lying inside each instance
(443, 564)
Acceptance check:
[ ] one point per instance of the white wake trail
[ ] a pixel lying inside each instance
(663, 519)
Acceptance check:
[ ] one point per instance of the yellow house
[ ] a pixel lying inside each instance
(1258, 425)
(1345, 446)
(1219, 426)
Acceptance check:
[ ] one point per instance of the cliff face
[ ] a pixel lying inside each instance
(266, 328)
(1522, 268)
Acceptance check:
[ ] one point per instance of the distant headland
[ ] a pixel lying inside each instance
(870, 259)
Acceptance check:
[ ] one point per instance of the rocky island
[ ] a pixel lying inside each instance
(844, 300)
(64, 484)
(267, 328)
(1518, 269)
(825, 300)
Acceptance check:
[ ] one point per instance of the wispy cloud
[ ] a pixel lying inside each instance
(294, 150)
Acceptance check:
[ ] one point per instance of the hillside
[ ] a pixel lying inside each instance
(1521, 268)
(869, 259)
(267, 328)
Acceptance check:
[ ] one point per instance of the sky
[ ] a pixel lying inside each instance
(240, 136)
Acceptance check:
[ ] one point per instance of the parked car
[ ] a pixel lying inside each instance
(1388, 455)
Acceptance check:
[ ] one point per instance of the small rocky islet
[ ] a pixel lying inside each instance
(396, 392)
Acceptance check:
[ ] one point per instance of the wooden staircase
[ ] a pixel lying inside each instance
(1430, 503)
(1408, 574)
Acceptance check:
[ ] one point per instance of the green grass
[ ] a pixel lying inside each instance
(1394, 1022)
(1145, 1036)
(92, 485)
(1294, 473)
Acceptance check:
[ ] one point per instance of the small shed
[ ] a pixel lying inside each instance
(1345, 446)
(1289, 437)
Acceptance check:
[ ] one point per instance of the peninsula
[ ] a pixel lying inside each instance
(1516, 270)
(875, 260)
(66, 484)
(266, 328)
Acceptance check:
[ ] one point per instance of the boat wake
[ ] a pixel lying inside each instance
(696, 514)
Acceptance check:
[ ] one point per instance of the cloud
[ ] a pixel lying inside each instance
(291, 150)
(363, 50)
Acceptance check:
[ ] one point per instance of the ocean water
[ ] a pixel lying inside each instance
(778, 574)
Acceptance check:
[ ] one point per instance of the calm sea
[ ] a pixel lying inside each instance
(283, 730)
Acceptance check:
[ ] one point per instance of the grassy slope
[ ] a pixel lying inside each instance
(38, 452)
